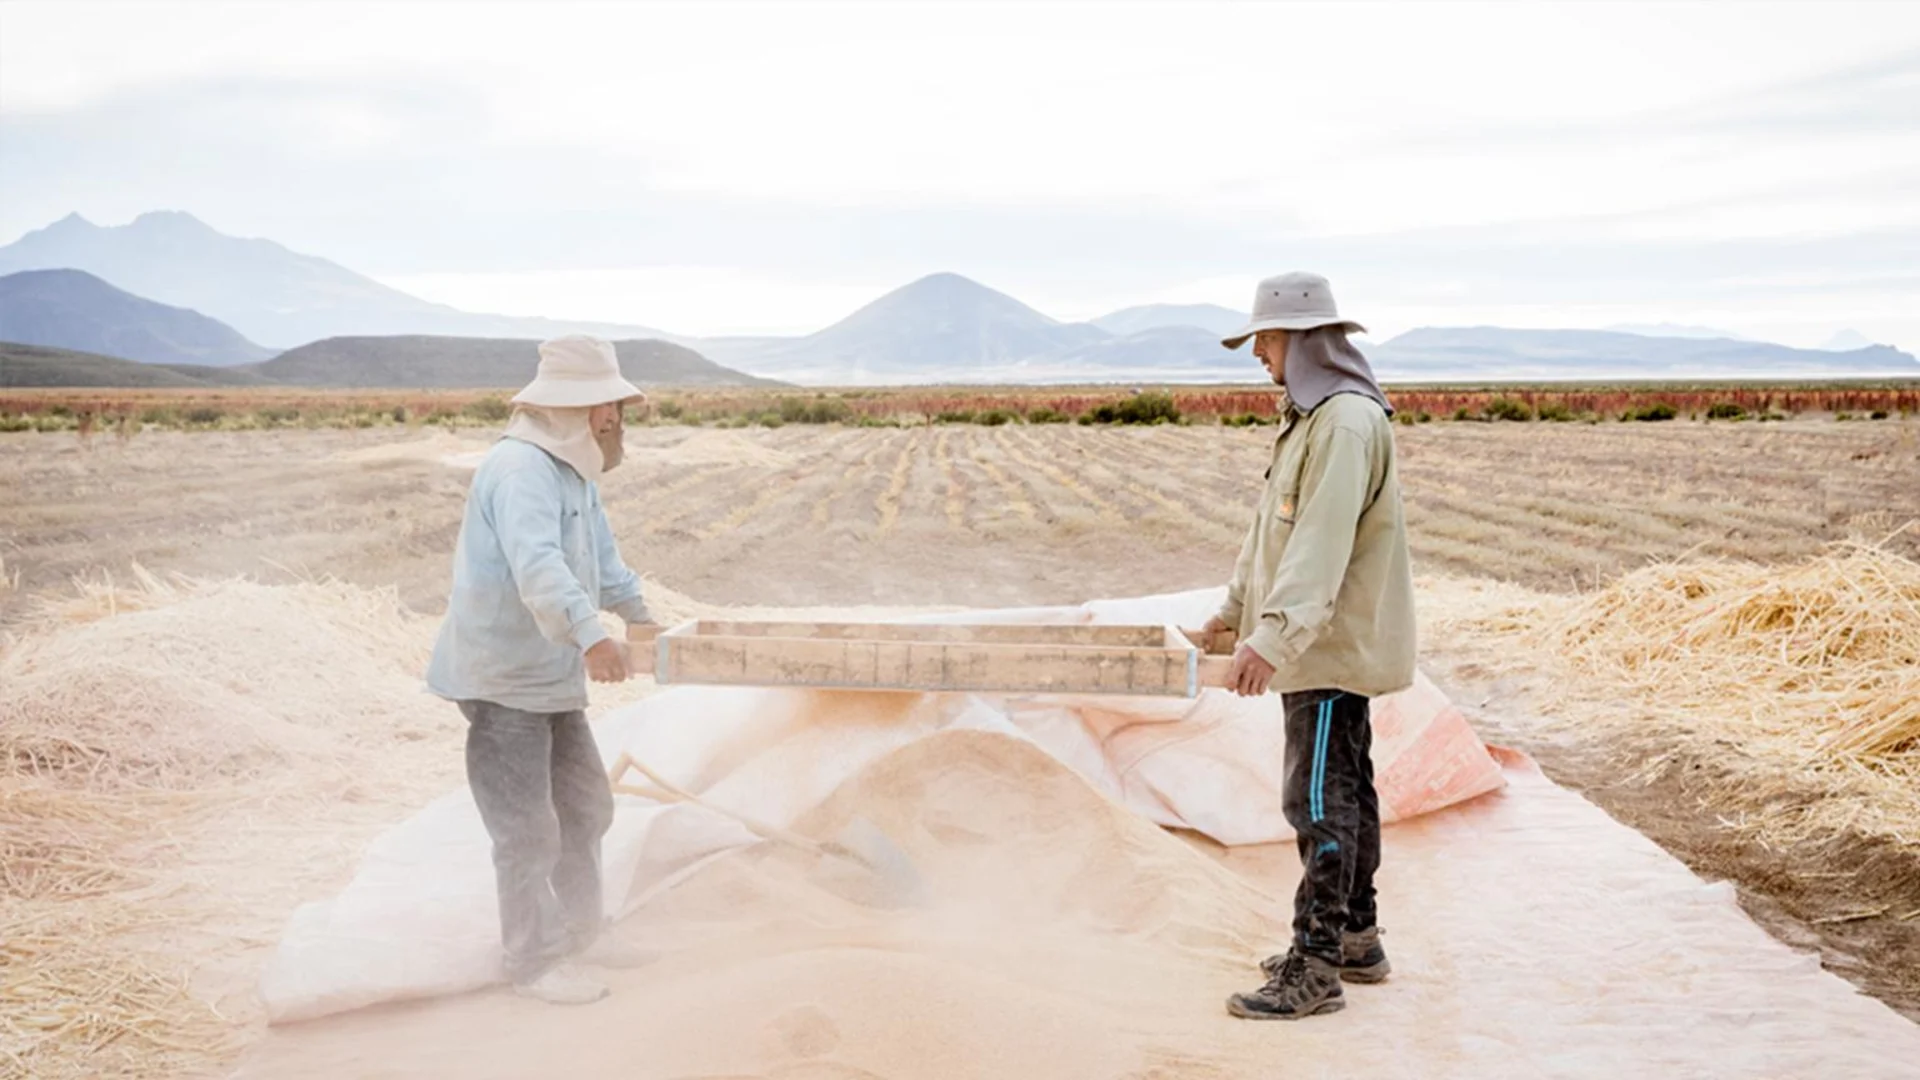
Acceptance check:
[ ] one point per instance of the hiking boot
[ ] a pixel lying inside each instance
(608, 951)
(1362, 960)
(562, 984)
(1301, 985)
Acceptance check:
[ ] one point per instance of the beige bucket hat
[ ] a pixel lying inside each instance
(1293, 301)
(577, 371)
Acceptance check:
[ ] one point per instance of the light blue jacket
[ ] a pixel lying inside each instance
(535, 563)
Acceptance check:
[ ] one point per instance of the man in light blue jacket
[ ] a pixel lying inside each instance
(535, 564)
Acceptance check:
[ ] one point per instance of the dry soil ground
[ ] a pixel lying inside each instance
(948, 514)
(962, 515)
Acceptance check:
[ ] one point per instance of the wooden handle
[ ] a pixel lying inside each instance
(1217, 643)
(678, 794)
(1217, 649)
(643, 648)
(1214, 669)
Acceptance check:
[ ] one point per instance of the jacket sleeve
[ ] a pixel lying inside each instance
(526, 510)
(1236, 604)
(619, 585)
(1334, 488)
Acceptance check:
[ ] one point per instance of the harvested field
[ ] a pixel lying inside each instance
(951, 514)
(1535, 543)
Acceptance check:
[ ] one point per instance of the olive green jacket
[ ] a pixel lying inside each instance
(1323, 589)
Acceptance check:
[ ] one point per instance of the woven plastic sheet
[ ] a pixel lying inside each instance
(420, 917)
(1531, 935)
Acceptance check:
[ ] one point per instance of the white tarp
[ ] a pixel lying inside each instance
(1531, 934)
(420, 918)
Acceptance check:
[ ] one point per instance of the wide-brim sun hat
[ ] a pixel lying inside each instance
(577, 371)
(1295, 301)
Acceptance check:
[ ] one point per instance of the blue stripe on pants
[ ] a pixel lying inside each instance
(1316, 798)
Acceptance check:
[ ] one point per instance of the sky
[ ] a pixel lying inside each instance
(750, 168)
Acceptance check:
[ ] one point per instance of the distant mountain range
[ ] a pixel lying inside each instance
(121, 291)
(419, 362)
(945, 328)
(940, 327)
(271, 295)
(450, 362)
(69, 328)
(1498, 353)
(39, 365)
(72, 309)
(1212, 318)
(1679, 330)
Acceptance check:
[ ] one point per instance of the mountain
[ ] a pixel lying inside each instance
(1493, 352)
(449, 362)
(268, 293)
(71, 309)
(1675, 330)
(39, 365)
(1213, 318)
(353, 331)
(940, 328)
(1162, 354)
(1846, 341)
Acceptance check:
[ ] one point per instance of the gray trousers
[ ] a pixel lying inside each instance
(544, 797)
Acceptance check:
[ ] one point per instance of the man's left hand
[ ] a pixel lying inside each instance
(1251, 674)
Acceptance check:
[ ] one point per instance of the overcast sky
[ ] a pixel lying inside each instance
(747, 168)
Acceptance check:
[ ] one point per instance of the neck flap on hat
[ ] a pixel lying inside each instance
(564, 433)
(1322, 363)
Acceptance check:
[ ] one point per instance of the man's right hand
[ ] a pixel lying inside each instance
(607, 662)
(1215, 637)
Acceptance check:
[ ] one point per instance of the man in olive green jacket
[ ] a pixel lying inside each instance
(1321, 605)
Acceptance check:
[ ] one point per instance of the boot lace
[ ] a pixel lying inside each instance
(1292, 971)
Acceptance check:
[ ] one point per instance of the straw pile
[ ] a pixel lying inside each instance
(179, 762)
(1799, 686)
(75, 1003)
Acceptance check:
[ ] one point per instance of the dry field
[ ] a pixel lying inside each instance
(946, 514)
(1503, 516)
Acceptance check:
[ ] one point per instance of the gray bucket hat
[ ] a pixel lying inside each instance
(1294, 301)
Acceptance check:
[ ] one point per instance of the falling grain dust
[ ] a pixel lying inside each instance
(1058, 927)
